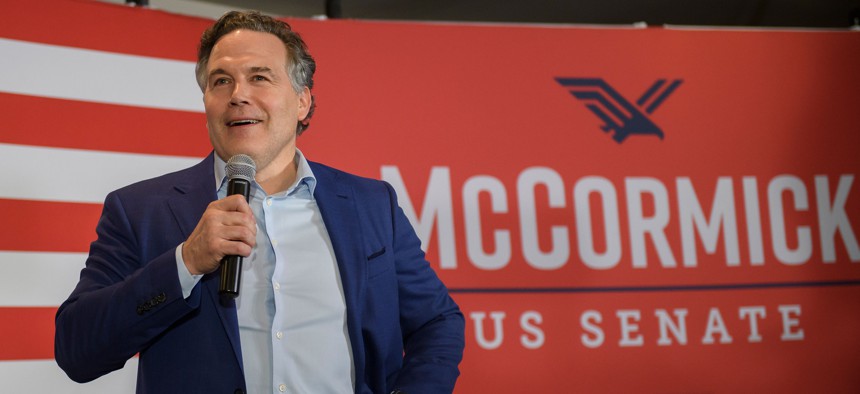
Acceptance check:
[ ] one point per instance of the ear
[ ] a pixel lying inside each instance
(304, 103)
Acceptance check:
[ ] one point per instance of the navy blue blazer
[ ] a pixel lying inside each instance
(406, 332)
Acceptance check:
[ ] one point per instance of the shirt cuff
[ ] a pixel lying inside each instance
(186, 280)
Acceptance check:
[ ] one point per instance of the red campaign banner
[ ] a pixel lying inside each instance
(615, 209)
(778, 340)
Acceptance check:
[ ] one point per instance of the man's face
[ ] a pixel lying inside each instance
(251, 106)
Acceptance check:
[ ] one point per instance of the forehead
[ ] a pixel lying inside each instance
(242, 47)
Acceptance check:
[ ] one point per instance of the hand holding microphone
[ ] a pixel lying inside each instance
(226, 231)
(240, 173)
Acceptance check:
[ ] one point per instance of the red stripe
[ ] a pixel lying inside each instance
(28, 333)
(112, 27)
(106, 27)
(108, 127)
(41, 226)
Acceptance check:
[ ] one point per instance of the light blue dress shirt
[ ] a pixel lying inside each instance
(291, 308)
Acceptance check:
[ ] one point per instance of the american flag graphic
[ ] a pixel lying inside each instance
(94, 97)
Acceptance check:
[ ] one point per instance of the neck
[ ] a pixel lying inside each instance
(278, 175)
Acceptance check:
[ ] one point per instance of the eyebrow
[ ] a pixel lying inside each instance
(252, 70)
(263, 69)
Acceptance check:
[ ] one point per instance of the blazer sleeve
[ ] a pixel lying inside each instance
(126, 297)
(432, 324)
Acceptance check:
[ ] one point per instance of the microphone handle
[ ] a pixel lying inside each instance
(231, 266)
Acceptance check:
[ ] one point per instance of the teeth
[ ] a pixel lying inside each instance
(243, 122)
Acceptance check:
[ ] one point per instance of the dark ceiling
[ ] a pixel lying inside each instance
(757, 13)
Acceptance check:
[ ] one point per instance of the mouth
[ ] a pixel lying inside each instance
(242, 122)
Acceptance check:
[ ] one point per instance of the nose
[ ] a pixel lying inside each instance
(239, 95)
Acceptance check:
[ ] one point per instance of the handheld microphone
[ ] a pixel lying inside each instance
(240, 173)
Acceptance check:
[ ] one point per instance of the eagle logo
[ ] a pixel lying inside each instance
(619, 115)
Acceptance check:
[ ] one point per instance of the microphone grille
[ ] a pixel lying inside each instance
(242, 167)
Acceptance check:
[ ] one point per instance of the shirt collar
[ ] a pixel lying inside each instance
(304, 174)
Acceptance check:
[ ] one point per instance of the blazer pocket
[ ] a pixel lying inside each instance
(378, 263)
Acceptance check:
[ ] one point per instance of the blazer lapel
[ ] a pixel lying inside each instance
(193, 196)
(337, 206)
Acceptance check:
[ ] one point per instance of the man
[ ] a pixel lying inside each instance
(336, 295)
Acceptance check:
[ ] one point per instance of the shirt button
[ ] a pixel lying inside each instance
(269, 201)
(279, 334)
(282, 388)
(277, 286)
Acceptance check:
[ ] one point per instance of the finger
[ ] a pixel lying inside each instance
(235, 248)
(239, 234)
(236, 203)
(238, 219)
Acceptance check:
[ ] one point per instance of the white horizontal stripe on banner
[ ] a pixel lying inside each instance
(38, 279)
(103, 77)
(44, 376)
(76, 175)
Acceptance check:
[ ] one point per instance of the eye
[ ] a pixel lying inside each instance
(220, 81)
(259, 78)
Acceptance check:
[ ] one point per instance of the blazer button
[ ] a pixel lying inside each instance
(239, 391)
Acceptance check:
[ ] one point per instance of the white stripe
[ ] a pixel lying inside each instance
(44, 376)
(103, 77)
(74, 175)
(38, 279)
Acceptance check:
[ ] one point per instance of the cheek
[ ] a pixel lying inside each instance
(211, 125)
(281, 103)
(211, 121)
(279, 116)
(213, 103)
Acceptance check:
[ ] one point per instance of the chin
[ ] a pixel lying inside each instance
(238, 147)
